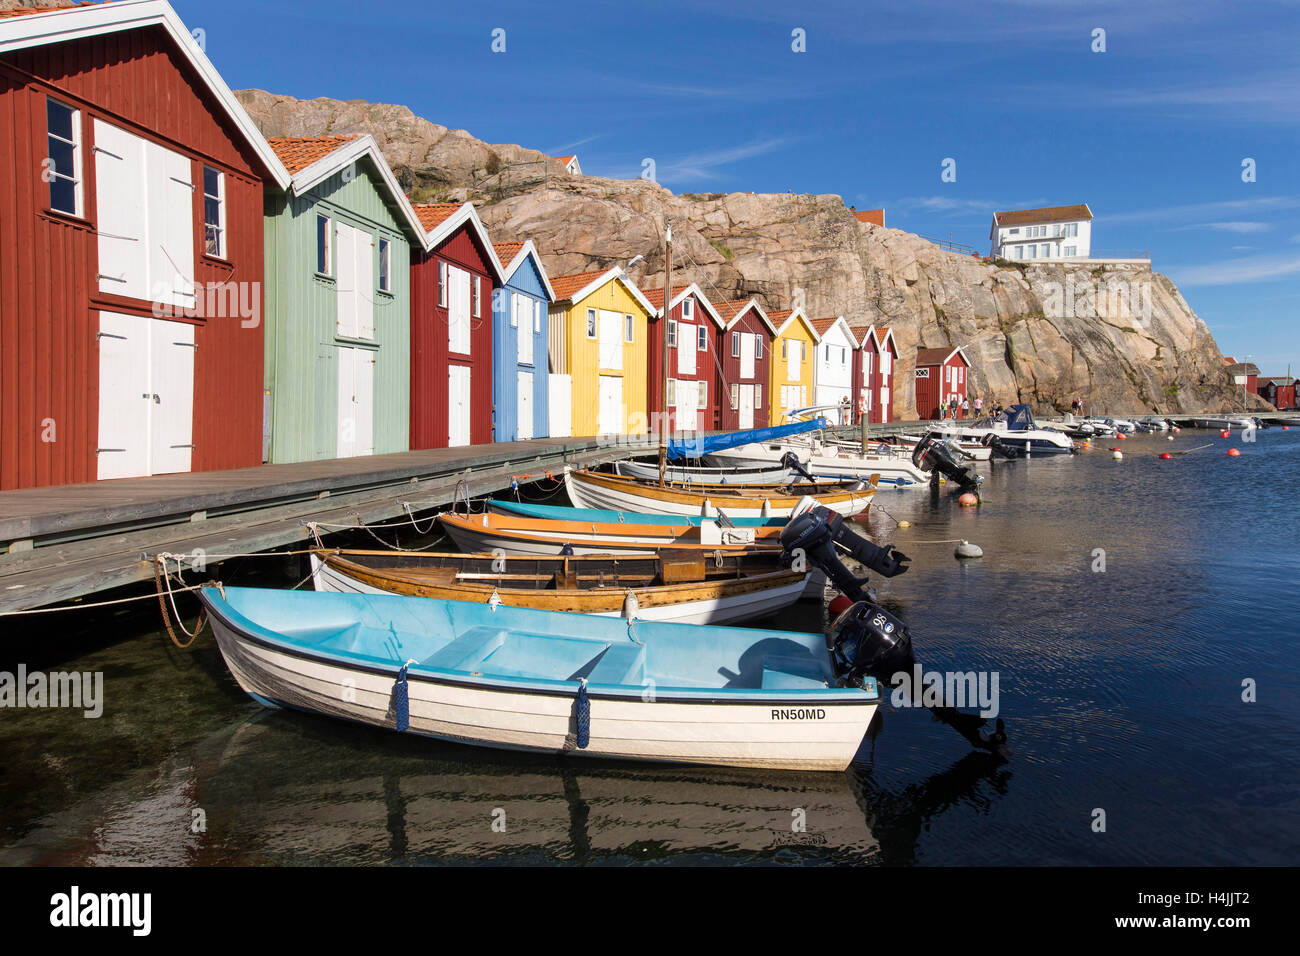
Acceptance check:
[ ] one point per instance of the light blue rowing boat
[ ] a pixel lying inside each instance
(605, 516)
(545, 681)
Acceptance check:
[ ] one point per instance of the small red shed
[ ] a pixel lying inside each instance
(451, 328)
(940, 378)
(1278, 391)
(693, 327)
(879, 360)
(131, 250)
(746, 348)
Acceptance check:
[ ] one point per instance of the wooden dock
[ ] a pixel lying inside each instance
(66, 542)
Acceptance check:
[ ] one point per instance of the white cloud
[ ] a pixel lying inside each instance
(1204, 210)
(1237, 271)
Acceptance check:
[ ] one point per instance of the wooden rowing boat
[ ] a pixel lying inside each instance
(687, 587)
(541, 681)
(589, 489)
(513, 534)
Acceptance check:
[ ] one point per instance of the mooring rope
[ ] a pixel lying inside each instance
(160, 564)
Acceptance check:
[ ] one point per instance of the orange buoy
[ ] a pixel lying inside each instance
(1234, 452)
(1121, 436)
(1286, 428)
(1225, 434)
(1166, 455)
(1177, 429)
(968, 500)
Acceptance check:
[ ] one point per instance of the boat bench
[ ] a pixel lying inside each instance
(468, 649)
(622, 664)
(792, 673)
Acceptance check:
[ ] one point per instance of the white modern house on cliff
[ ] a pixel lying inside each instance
(1057, 232)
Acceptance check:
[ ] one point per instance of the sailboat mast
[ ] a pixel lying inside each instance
(663, 364)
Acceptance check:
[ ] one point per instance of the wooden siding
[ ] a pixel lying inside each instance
(302, 319)
(795, 332)
(430, 356)
(49, 296)
(525, 281)
(729, 418)
(705, 366)
(581, 358)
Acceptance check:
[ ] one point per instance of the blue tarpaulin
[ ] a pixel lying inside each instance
(700, 445)
(1019, 418)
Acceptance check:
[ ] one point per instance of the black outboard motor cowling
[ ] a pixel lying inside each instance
(937, 458)
(868, 641)
(791, 461)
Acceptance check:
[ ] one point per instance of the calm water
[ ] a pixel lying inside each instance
(1122, 690)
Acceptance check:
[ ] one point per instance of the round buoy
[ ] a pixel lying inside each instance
(1114, 448)
(968, 550)
(1286, 428)
(968, 500)
(905, 524)
(1176, 429)
(1225, 434)
(1169, 438)
(1234, 452)
(1166, 455)
(1121, 436)
(1117, 455)
(839, 605)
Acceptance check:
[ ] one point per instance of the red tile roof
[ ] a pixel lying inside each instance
(824, 325)
(875, 216)
(731, 308)
(1019, 217)
(25, 11)
(566, 286)
(656, 296)
(297, 153)
(434, 214)
(506, 251)
(780, 316)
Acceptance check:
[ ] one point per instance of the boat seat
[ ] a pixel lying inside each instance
(467, 650)
(621, 664)
(792, 673)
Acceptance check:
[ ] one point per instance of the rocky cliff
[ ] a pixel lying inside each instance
(1120, 337)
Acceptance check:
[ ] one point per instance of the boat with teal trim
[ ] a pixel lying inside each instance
(549, 682)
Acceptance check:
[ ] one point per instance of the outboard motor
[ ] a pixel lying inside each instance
(791, 461)
(937, 458)
(999, 447)
(867, 639)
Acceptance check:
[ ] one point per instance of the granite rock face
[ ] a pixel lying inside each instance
(1119, 337)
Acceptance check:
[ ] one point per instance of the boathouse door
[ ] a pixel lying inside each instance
(524, 406)
(356, 402)
(611, 405)
(746, 406)
(458, 405)
(146, 396)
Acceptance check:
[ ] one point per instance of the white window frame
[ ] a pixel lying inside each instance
(78, 200)
(735, 397)
(592, 326)
(220, 197)
(702, 338)
(537, 316)
(670, 396)
(672, 333)
(385, 265)
(442, 284)
(758, 396)
(629, 329)
(758, 346)
(513, 309)
(327, 237)
(688, 309)
(735, 345)
(702, 394)
(477, 297)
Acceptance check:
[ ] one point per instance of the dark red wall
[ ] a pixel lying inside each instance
(49, 298)
(729, 418)
(705, 367)
(429, 354)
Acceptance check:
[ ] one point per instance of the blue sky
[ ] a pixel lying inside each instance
(1150, 133)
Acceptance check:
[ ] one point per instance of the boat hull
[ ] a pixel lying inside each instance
(706, 602)
(606, 492)
(781, 731)
(892, 470)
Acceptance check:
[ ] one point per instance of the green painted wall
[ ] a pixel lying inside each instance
(301, 319)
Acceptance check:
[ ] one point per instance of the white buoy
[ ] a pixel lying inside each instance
(968, 550)
(905, 524)
(1117, 455)
(631, 605)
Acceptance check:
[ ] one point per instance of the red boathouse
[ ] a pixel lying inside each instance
(940, 378)
(746, 350)
(693, 328)
(131, 264)
(451, 328)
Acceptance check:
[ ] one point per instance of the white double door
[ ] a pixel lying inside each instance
(746, 406)
(611, 419)
(356, 431)
(458, 405)
(146, 396)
